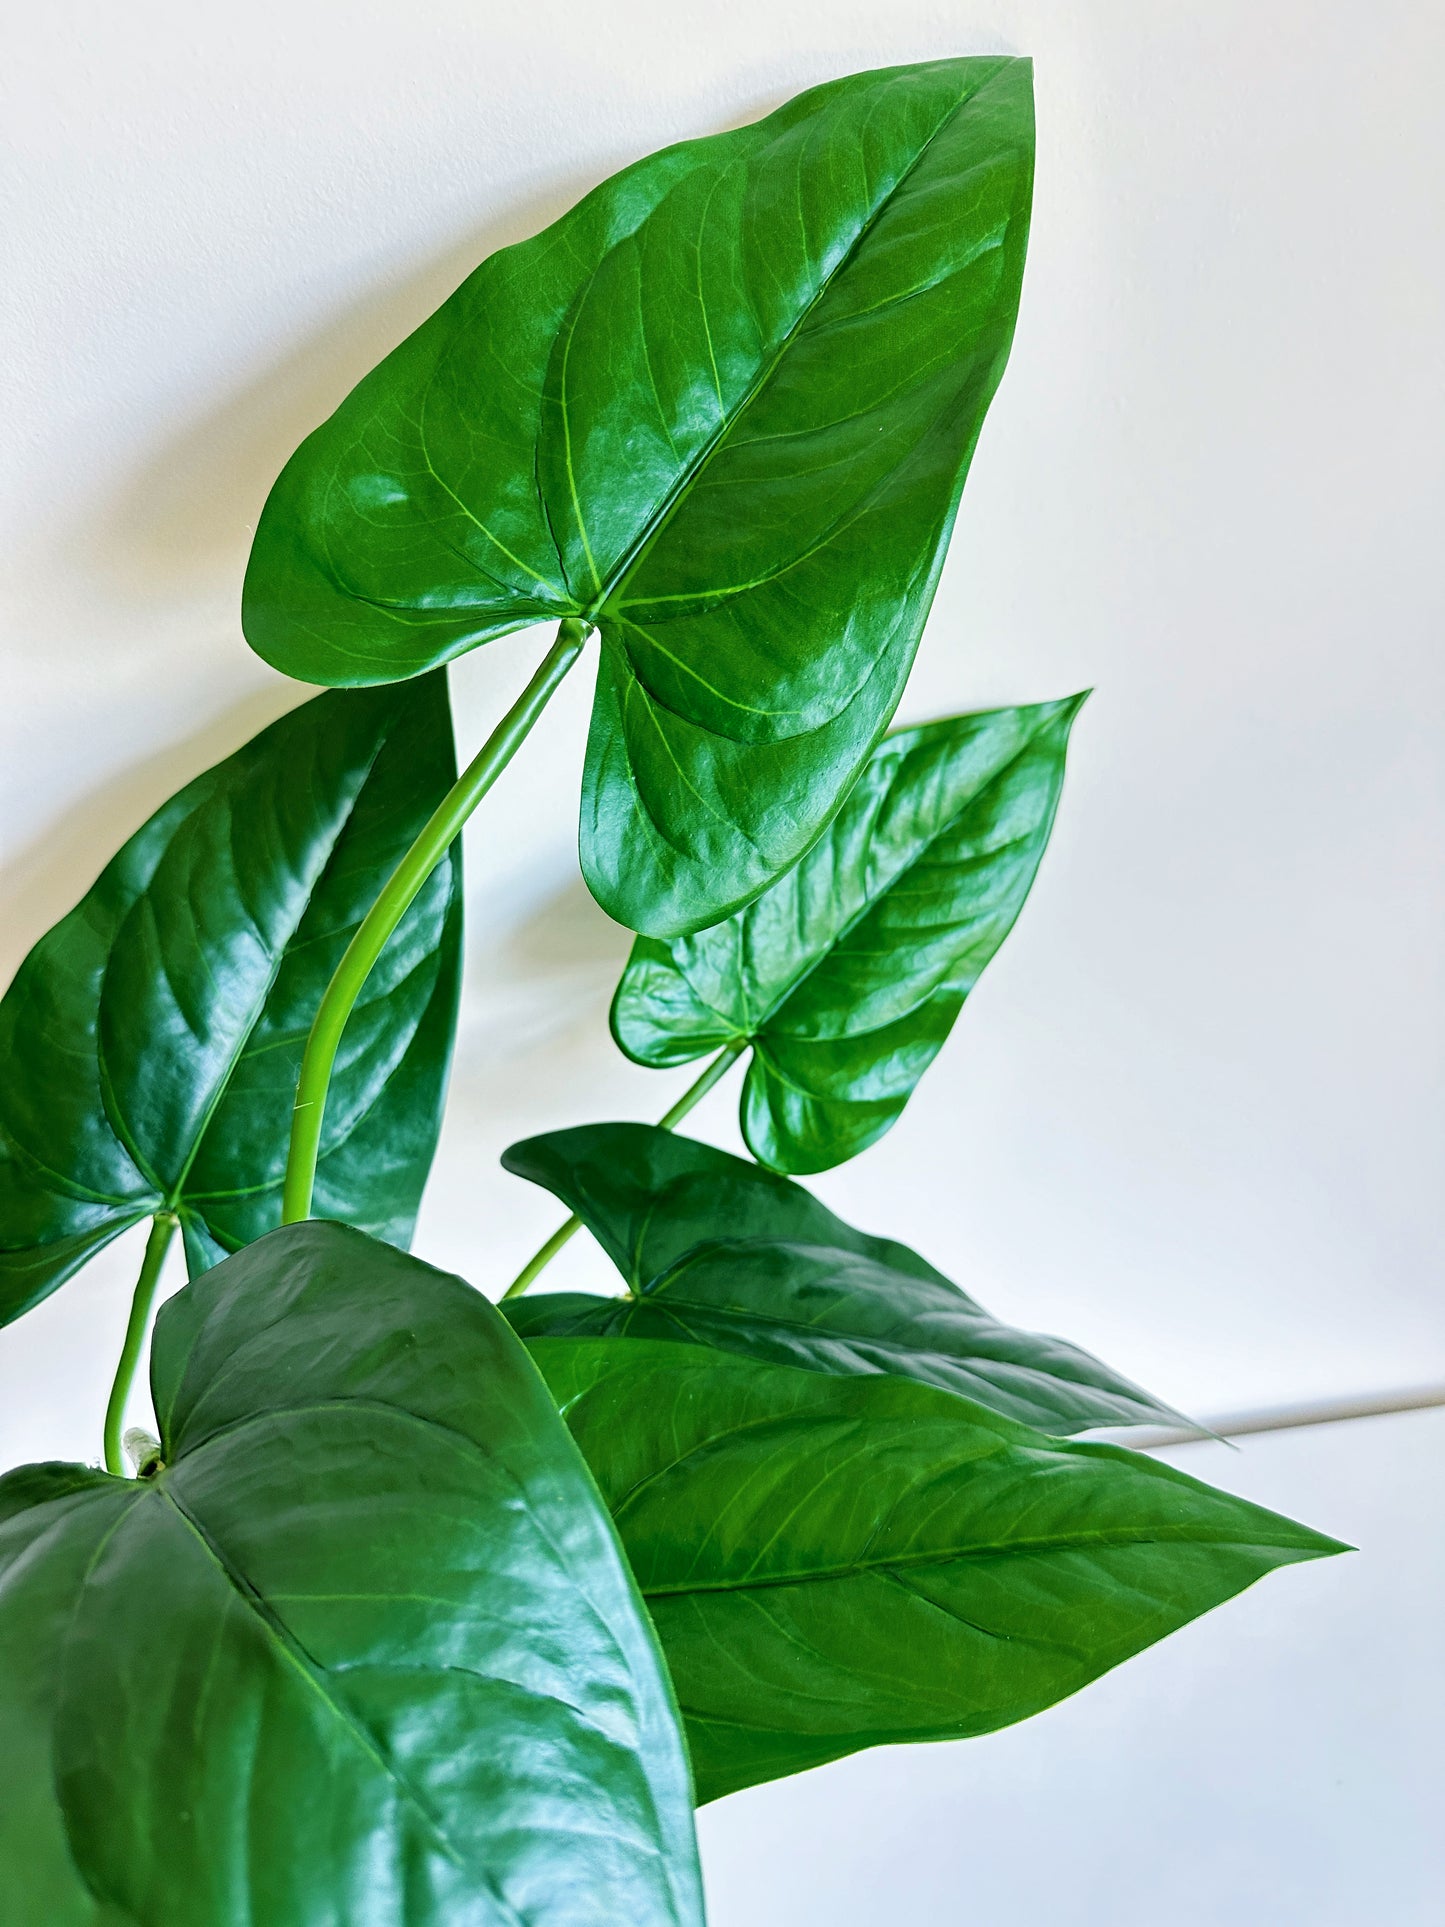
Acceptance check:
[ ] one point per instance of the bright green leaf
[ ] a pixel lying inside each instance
(151, 1040)
(723, 411)
(846, 976)
(838, 1563)
(363, 1650)
(717, 1252)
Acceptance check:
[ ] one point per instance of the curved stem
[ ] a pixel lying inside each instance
(694, 1094)
(162, 1229)
(540, 1259)
(396, 898)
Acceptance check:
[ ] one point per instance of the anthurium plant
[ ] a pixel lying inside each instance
(419, 1611)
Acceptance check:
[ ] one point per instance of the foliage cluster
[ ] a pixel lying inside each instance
(419, 1610)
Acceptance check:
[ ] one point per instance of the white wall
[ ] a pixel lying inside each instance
(1193, 1116)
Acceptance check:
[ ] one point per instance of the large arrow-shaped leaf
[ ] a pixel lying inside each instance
(151, 1040)
(723, 411)
(364, 1650)
(846, 976)
(717, 1252)
(837, 1563)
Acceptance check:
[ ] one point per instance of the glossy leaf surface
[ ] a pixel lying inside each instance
(364, 1650)
(718, 1252)
(838, 1563)
(846, 976)
(722, 410)
(151, 1040)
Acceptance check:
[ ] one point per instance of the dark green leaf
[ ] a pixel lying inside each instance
(52, 1522)
(838, 1563)
(722, 411)
(364, 1650)
(151, 1040)
(846, 976)
(717, 1252)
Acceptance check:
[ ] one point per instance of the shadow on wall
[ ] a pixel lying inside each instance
(187, 513)
(189, 510)
(49, 878)
(569, 931)
(545, 986)
(534, 1048)
(179, 529)
(181, 525)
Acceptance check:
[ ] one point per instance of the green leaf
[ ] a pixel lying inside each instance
(722, 411)
(50, 1531)
(364, 1649)
(717, 1252)
(151, 1040)
(847, 975)
(839, 1563)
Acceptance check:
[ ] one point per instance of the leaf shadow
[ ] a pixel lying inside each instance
(180, 523)
(546, 982)
(568, 930)
(51, 873)
(535, 1049)
(186, 512)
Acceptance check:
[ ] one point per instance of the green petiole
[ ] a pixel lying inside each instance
(693, 1095)
(162, 1230)
(396, 898)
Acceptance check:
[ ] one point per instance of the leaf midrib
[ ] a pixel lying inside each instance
(758, 1027)
(894, 1346)
(172, 1196)
(1040, 1378)
(223, 1083)
(905, 869)
(295, 1655)
(1099, 1541)
(633, 558)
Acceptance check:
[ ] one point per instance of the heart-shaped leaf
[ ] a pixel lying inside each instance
(722, 411)
(846, 976)
(717, 1252)
(151, 1040)
(363, 1649)
(835, 1563)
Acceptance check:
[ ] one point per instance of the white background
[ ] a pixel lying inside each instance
(1192, 1118)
